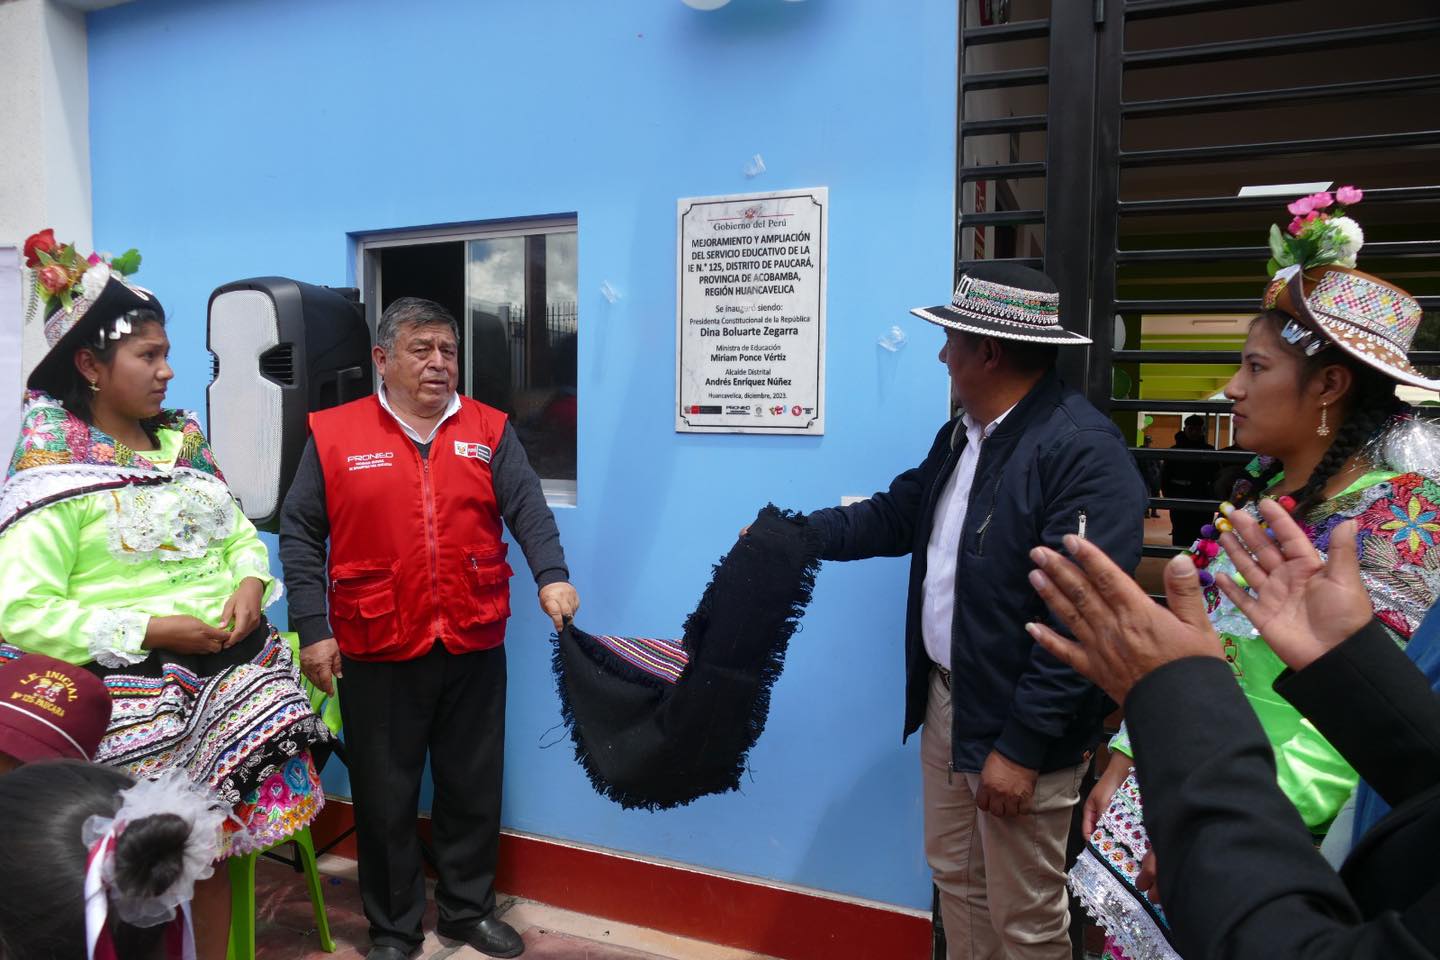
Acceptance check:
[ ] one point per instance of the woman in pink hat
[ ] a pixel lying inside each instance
(1315, 396)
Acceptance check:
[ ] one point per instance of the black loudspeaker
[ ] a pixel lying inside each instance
(279, 350)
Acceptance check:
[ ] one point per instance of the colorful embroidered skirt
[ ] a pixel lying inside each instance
(236, 721)
(287, 801)
(1103, 880)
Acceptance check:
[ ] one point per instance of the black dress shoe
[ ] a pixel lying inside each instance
(386, 952)
(492, 937)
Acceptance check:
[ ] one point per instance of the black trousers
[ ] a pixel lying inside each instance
(452, 706)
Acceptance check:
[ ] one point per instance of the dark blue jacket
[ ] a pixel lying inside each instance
(1053, 459)
(1423, 651)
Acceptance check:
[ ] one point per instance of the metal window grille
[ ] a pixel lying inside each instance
(1198, 98)
(1138, 121)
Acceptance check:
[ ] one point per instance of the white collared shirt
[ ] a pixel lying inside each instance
(937, 605)
(450, 411)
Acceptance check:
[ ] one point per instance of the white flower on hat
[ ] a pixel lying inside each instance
(94, 279)
(1351, 238)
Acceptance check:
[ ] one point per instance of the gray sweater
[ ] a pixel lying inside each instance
(305, 527)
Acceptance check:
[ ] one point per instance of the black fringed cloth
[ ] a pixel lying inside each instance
(658, 723)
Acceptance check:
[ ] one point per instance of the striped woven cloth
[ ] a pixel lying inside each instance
(665, 659)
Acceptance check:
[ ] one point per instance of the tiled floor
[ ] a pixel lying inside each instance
(285, 926)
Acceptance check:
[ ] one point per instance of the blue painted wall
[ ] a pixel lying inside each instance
(235, 138)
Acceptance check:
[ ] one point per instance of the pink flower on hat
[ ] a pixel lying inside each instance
(53, 278)
(1302, 206)
(1319, 201)
(1349, 195)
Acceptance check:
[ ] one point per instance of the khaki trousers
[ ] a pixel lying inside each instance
(1001, 880)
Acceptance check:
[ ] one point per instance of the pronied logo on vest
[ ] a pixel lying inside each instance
(369, 461)
(476, 451)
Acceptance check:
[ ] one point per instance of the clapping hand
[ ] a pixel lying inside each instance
(1120, 633)
(1302, 606)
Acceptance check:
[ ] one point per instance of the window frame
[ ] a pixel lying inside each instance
(367, 247)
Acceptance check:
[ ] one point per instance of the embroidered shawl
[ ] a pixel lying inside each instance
(59, 457)
(657, 723)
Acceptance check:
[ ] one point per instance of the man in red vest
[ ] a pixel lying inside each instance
(411, 486)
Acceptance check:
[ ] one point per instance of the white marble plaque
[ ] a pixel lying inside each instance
(750, 313)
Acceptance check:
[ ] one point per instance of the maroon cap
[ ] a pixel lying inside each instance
(50, 709)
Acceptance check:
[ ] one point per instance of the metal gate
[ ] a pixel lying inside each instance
(1152, 115)
(1108, 142)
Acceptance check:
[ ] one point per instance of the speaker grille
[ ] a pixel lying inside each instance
(278, 363)
(245, 407)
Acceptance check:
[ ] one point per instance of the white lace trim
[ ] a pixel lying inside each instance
(172, 792)
(38, 484)
(178, 520)
(1111, 905)
(115, 637)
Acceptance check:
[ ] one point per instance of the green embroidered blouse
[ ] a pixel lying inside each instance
(81, 578)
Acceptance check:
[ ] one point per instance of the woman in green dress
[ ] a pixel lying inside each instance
(1316, 397)
(121, 548)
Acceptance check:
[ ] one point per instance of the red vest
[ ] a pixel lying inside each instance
(416, 554)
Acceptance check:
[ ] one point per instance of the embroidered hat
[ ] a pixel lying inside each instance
(50, 709)
(996, 299)
(1314, 281)
(1369, 318)
(86, 301)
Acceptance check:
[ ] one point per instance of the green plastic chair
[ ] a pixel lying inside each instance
(242, 868)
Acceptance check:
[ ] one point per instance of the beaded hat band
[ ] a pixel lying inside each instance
(1002, 300)
(1363, 315)
(61, 321)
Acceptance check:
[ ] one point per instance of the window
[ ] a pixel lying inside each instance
(512, 288)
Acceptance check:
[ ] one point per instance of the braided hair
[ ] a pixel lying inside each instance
(1373, 405)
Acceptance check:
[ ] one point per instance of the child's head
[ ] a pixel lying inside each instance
(150, 842)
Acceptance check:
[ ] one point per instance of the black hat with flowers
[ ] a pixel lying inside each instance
(1006, 300)
(86, 301)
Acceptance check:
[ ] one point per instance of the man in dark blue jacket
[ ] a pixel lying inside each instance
(1029, 461)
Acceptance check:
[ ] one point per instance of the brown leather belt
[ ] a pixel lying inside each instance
(944, 675)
